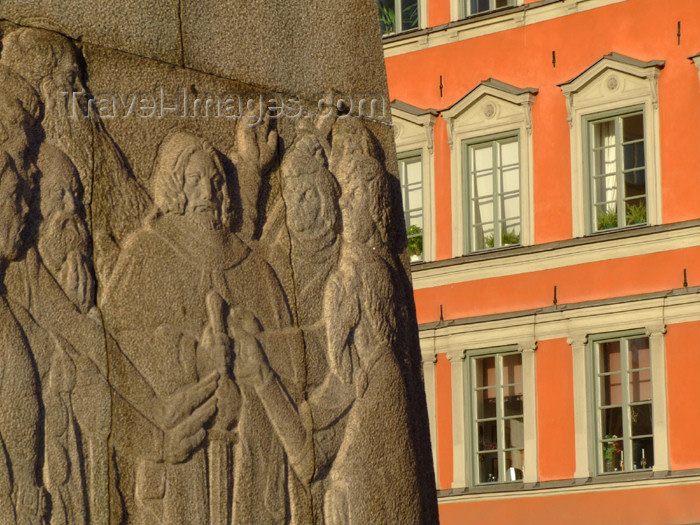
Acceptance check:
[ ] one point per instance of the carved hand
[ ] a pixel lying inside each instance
(183, 417)
(250, 364)
(256, 146)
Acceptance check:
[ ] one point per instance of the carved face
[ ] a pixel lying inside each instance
(15, 123)
(355, 205)
(203, 187)
(13, 210)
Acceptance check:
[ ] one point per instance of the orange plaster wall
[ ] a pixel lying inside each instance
(598, 280)
(443, 192)
(438, 12)
(555, 409)
(683, 390)
(443, 387)
(643, 29)
(670, 505)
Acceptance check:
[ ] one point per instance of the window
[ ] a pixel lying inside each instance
(493, 193)
(473, 7)
(413, 132)
(411, 176)
(624, 430)
(617, 170)
(613, 113)
(498, 423)
(398, 15)
(490, 136)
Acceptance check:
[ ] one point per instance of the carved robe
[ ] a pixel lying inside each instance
(155, 308)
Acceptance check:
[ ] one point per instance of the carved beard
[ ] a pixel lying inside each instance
(206, 219)
(63, 246)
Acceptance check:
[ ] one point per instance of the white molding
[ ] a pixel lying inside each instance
(459, 425)
(611, 84)
(572, 490)
(579, 343)
(489, 24)
(657, 345)
(429, 358)
(413, 132)
(489, 110)
(530, 463)
(603, 250)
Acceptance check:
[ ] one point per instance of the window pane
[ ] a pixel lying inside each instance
(409, 14)
(387, 18)
(478, 6)
(509, 153)
(485, 371)
(513, 404)
(514, 465)
(605, 161)
(512, 369)
(604, 134)
(415, 197)
(606, 190)
(482, 157)
(513, 433)
(635, 183)
(413, 171)
(488, 467)
(633, 155)
(640, 416)
(611, 390)
(488, 435)
(611, 419)
(510, 180)
(640, 385)
(610, 356)
(633, 128)
(503, 3)
(643, 453)
(486, 403)
(484, 185)
(612, 456)
(639, 352)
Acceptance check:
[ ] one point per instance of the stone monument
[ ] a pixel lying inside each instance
(205, 311)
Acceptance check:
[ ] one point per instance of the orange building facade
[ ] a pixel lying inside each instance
(550, 168)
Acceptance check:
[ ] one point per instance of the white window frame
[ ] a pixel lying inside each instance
(459, 10)
(468, 196)
(596, 411)
(615, 83)
(491, 108)
(462, 435)
(413, 131)
(584, 392)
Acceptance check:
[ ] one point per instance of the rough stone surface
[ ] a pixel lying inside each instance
(205, 313)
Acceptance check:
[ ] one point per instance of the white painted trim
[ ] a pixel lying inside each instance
(429, 359)
(485, 111)
(459, 425)
(575, 489)
(562, 324)
(578, 345)
(611, 85)
(416, 133)
(658, 395)
(696, 61)
(530, 466)
(603, 250)
(489, 24)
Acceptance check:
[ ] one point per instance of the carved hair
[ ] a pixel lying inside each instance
(17, 92)
(169, 173)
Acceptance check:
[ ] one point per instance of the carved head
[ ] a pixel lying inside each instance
(188, 180)
(19, 112)
(48, 60)
(310, 194)
(350, 138)
(363, 200)
(64, 243)
(13, 209)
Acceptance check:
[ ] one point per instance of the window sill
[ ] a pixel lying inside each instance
(643, 478)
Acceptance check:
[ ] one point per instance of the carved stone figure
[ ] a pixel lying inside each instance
(22, 498)
(183, 253)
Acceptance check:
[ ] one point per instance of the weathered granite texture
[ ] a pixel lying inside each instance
(205, 313)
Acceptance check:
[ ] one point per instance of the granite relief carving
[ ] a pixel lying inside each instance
(202, 320)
